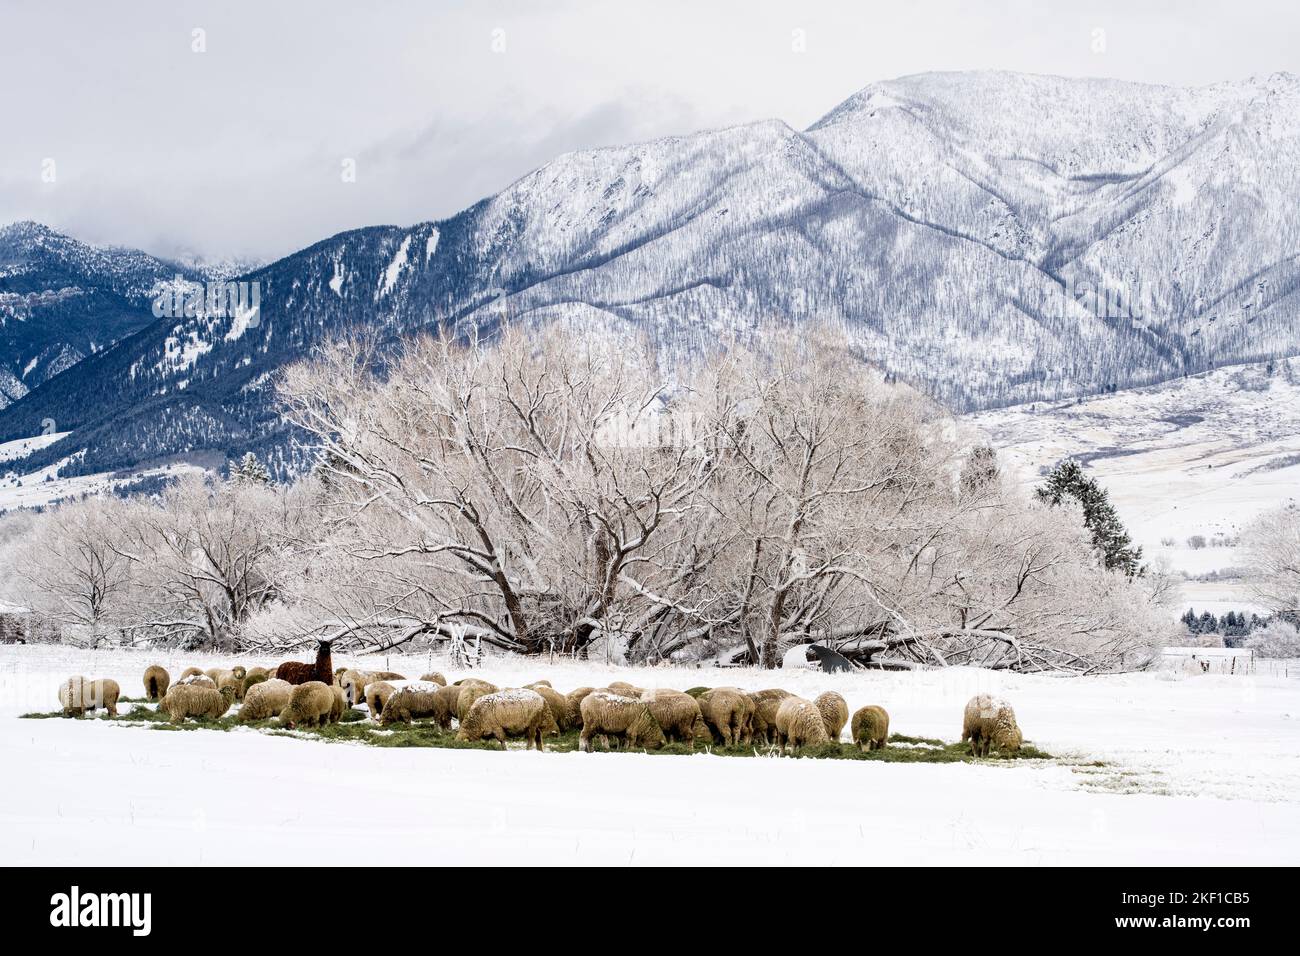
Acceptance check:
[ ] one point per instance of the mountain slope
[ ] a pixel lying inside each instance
(61, 300)
(939, 216)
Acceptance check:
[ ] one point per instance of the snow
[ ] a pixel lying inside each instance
(394, 270)
(517, 695)
(1203, 455)
(22, 447)
(417, 686)
(41, 487)
(183, 351)
(242, 320)
(431, 245)
(1171, 792)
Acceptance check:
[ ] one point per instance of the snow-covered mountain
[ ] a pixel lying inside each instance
(956, 221)
(62, 300)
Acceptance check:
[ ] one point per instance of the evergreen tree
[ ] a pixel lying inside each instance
(249, 470)
(1117, 551)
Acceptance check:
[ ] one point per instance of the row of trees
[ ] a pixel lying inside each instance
(1234, 626)
(557, 492)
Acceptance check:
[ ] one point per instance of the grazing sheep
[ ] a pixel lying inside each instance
(518, 711)
(196, 700)
(558, 704)
(989, 721)
(696, 691)
(191, 672)
(624, 689)
(678, 715)
(448, 697)
(218, 675)
(376, 694)
(78, 695)
(434, 677)
(339, 706)
(236, 684)
(799, 724)
(729, 713)
(538, 683)
(310, 704)
(766, 703)
(322, 670)
(156, 682)
(625, 718)
(256, 675)
(265, 699)
(870, 727)
(835, 713)
(354, 682)
(420, 698)
(471, 690)
(574, 697)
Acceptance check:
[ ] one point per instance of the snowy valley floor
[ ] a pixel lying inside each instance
(1197, 770)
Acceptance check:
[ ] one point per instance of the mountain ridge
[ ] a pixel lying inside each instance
(941, 217)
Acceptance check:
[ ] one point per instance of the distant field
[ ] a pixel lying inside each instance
(1200, 456)
(42, 487)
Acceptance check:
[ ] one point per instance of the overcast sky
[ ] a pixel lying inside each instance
(239, 149)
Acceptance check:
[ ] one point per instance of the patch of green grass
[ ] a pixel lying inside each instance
(356, 727)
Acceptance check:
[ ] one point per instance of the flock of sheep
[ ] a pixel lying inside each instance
(296, 695)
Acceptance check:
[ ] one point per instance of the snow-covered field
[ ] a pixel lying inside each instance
(35, 489)
(1198, 770)
(1199, 456)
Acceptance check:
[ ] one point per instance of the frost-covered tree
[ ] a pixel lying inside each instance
(1277, 639)
(72, 571)
(207, 554)
(509, 489)
(249, 470)
(980, 470)
(1272, 550)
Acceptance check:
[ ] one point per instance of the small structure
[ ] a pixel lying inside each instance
(14, 623)
(1210, 660)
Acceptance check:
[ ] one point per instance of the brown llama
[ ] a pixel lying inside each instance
(296, 672)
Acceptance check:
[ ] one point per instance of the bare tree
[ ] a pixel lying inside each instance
(206, 555)
(1272, 548)
(503, 488)
(71, 571)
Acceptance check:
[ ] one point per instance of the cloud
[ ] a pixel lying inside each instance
(238, 149)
